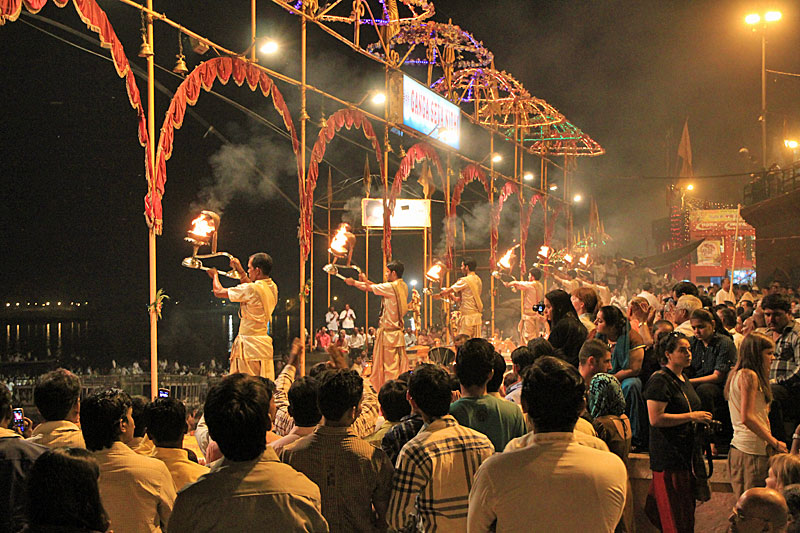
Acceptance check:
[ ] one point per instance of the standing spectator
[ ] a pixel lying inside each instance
(748, 394)
(566, 331)
(137, 491)
(672, 405)
(784, 374)
(166, 428)
(498, 419)
(577, 488)
(627, 356)
(495, 383)
(347, 319)
(435, 469)
(140, 443)
(713, 355)
(394, 406)
(332, 320)
(303, 409)
(725, 294)
(584, 301)
(57, 396)
(249, 489)
(17, 456)
(63, 495)
(354, 477)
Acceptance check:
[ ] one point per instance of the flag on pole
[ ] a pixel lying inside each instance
(685, 152)
(367, 178)
(426, 180)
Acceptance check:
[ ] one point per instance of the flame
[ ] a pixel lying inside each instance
(544, 251)
(202, 226)
(339, 242)
(434, 273)
(505, 261)
(567, 258)
(584, 260)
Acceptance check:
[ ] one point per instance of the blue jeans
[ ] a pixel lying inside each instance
(636, 410)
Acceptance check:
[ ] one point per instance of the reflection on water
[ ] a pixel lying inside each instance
(39, 341)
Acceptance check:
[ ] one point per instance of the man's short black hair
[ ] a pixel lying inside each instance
(535, 272)
(522, 357)
(339, 391)
(392, 398)
(553, 394)
(396, 267)
(470, 263)
(474, 362)
(592, 348)
(685, 287)
(647, 286)
(777, 302)
(101, 414)
(303, 406)
(429, 387)
(538, 347)
(139, 414)
(499, 366)
(728, 317)
(5, 402)
(56, 393)
(237, 414)
(263, 262)
(166, 420)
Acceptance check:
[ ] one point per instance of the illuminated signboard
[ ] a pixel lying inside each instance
(408, 214)
(417, 107)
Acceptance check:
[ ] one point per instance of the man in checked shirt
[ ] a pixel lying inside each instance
(784, 374)
(434, 471)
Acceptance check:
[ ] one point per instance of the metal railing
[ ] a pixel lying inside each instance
(771, 183)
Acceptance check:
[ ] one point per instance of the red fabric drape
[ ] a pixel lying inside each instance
(203, 76)
(418, 152)
(347, 118)
(96, 20)
(469, 173)
(508, 189)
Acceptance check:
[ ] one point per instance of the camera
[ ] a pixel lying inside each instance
(539, 308)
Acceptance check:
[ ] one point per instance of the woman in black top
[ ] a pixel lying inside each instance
(567, 334)
(672, 406)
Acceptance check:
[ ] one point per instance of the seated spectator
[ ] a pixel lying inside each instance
(791, 494)
(249, 489)
(784, 469)
(577, 488)
(166, 428)
(62, 493)
(435, 469)
(354, 477)
(626, 362)
(728, 318)
(303, 409)
(499, 420)
(522, 358)
(585, 302)
(713, 355)
(140, 443)
(759, 509)
(459, 340)
(364, 424)
(681, 317)
(566, 331)
(394, 406)
(494, 384)
(137, 491)
(57, 396)
(16, 459)
(651, 362)
(594, 358)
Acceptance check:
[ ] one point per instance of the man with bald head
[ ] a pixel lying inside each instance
(759, 509)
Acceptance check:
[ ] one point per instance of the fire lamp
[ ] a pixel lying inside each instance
(204, 233)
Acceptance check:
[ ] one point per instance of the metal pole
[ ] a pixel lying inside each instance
(253, 30)
(386, 149)
(330, 196)
(423, 300)
(151, 131)
(491, 204)
(764, 98)
(366, 273)
(735, 241)
(303, 120)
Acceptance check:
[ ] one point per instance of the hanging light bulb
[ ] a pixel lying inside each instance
(180, 65)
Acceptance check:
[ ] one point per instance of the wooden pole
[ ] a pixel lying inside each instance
(735, 241)
(253, 30)
(330, 199)
(151, 131)
(303, 120)
(366, 273)
(491, 210)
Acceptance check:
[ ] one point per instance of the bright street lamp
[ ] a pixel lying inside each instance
(497, 158)
(791, 144)
(528, 177)
(690, 187)
(577, 198)
(379, 98)
(753, 19)
(269, 47)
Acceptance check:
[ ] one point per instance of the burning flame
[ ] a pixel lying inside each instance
(339, 242)
(584, 260)
(505, 261)
(544, 251)
(567, 258)
(434, 273)
(202, 226)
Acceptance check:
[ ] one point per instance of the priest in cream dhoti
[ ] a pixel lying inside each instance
(468, 288)
(389, 358)
(257, 295)
(530, 324)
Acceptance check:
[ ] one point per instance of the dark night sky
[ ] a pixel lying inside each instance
(627, 73)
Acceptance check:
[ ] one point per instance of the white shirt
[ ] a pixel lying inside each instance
(390, 309)
(685, 328)
(532, 293)
(332, 320)
(651, 299)
(348, 317)
(576, 488)
(724, 296)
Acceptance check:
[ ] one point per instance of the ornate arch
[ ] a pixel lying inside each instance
(468, 174)
(418, 152)
(347, 118)
(203, 76)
